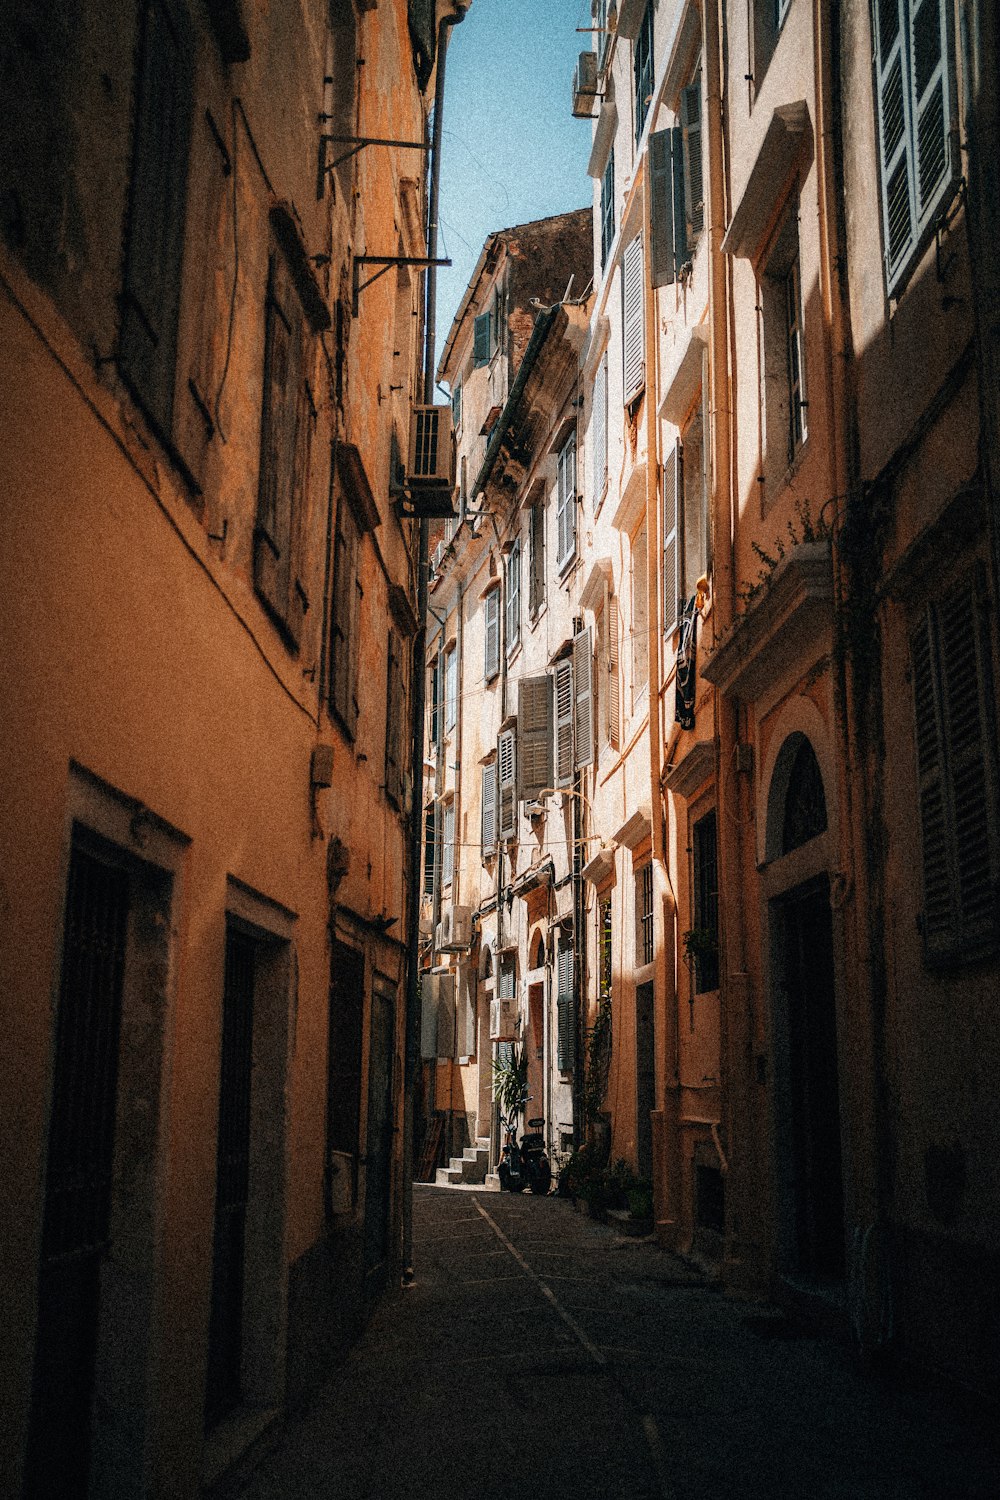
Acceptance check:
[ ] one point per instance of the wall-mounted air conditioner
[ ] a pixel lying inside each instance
(431, 456)
(585, 86)
(454, 931)
(503, 1019)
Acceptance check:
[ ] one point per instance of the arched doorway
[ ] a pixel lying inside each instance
(804, 1014)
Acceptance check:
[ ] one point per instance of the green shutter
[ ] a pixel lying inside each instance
(694, 173)
(491, 611)
(583, 707)
(481, 340)
(682, 252)
(661, 188)
(564, 722)
(566, 1035)
(534, 730)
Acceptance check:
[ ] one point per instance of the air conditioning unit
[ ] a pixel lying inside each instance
(454, 931)
(431, 459)
(585, 86)
(503, 1019)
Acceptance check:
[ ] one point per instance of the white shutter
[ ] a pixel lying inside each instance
(672, 491)
(633, 330)
(566, 503)
(534, 728)
(506, 780)
(564, 722)
(614, 677)
(600, 430)
(448, 844)
(583, 679)
(491, 611)
(513, 604)
(489, 808)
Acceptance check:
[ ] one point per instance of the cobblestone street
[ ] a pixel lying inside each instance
(542, 1354)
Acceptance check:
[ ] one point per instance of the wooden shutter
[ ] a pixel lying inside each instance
(147, 347)
(614, 677)
(682, 250)
(489, 808)
(564, 722)
(491, 610)
(430, 848)
(694, 173)
(393, 712)
(566, 503)
(344, 619)
(608, 207)
(640, 612)
(672, 489)
(513, 602)
(930, 83)
(456, 405)
(481, 340)
(467, 1012)
(446, 1015)
(964, 675)
(448, 844)
(583, 679)
(633, 331)
(661, 187)
(534, 728)
(600, 430)
(507, 783)
(536, 579)
(894, 104)
(428, 1015)
(566, 1030)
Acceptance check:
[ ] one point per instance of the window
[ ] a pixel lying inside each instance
(643, 69)
(609, 691)
(507, 783)
(448, 844)
(695, 529)
(566, 1021)
(536, 560)
(782, 334)
(482, 340)
(956, 767)
(607, 208)
(534, 731)
(566, 503)
(640, 615)
(456, 405)
(512, 579)
(644, 916)
(395, 721)
(450, 688)
(706, 904)
(633, 329)
(600, 432)
(434, 701)
(913, 95)
(491, 627)
(605, 956)
(677, 190)
(672, 481)
(489, 809)
(430, 847)
(288, 419)
(344, 618)
(793, 345)
(147, 347)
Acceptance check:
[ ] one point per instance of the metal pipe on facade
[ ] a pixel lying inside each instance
(419, 674)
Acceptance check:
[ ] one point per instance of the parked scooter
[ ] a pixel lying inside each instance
(524, 1163)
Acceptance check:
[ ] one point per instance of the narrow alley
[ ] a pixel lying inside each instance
(541, 1352)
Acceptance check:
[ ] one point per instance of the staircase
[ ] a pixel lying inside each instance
(468, 1169)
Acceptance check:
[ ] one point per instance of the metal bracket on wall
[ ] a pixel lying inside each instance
(386, 262)
(356, 143)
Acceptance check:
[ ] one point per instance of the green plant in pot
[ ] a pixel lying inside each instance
(701, 948)
(510, 1081)
(640, 1199)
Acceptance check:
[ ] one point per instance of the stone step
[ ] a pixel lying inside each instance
(448, 1176)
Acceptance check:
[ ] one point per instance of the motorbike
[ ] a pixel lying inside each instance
(524, 1163)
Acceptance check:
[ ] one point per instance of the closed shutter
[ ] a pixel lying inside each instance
(566, 1029)
(583, 679)
(446, 1016)
(491, 610)
(456, 405)
(481, 340)
(506, 783)
(600, 430)
(607, 207)
(428, 1015)
(672, 490)
(633, 331)
(448, 844)
(467, 1019)
(534, 727)
(394, 710)
(489, 801)
(694, 174)
(564, 722)
(344, 620)
(614, 677)
(147, 346)
(640, 614)
(536, 581)
(661, 187)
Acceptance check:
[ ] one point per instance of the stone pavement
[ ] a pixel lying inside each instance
(542, 1356)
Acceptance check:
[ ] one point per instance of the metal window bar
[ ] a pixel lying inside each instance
(644, 909)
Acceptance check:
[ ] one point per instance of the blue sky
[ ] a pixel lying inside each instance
(512, 150)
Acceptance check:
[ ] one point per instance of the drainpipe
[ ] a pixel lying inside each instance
(412, 1040)
(736, 1016)
(666, 1172)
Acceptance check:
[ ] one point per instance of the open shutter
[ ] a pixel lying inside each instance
(446, 1016)
(430, 848)
(534, 727)
(963, 676)
(507, 788)
(640, 613)
(600, 430)
(661, 187)
(583, 678)
(491, 608)
(633, 331)
(489, 801)
(695, 177)
(938, 917)
(564, 722)
(614, 677)
(343, 627)
(394, 709)
(682, 252)
(448, 844)
(147, 345)
(894, 103)
(429, 994)
(566, 503)
(513, 602)
(566, 1031)
(481, 339)
(671, 539)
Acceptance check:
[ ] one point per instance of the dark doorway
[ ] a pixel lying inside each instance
(645, 1078)
(225, 1330)
(343, 1100)
(79, 1171)
(804, 938)
(378, 1171)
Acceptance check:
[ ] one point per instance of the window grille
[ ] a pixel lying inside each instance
(644, 916)
(706, 903)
